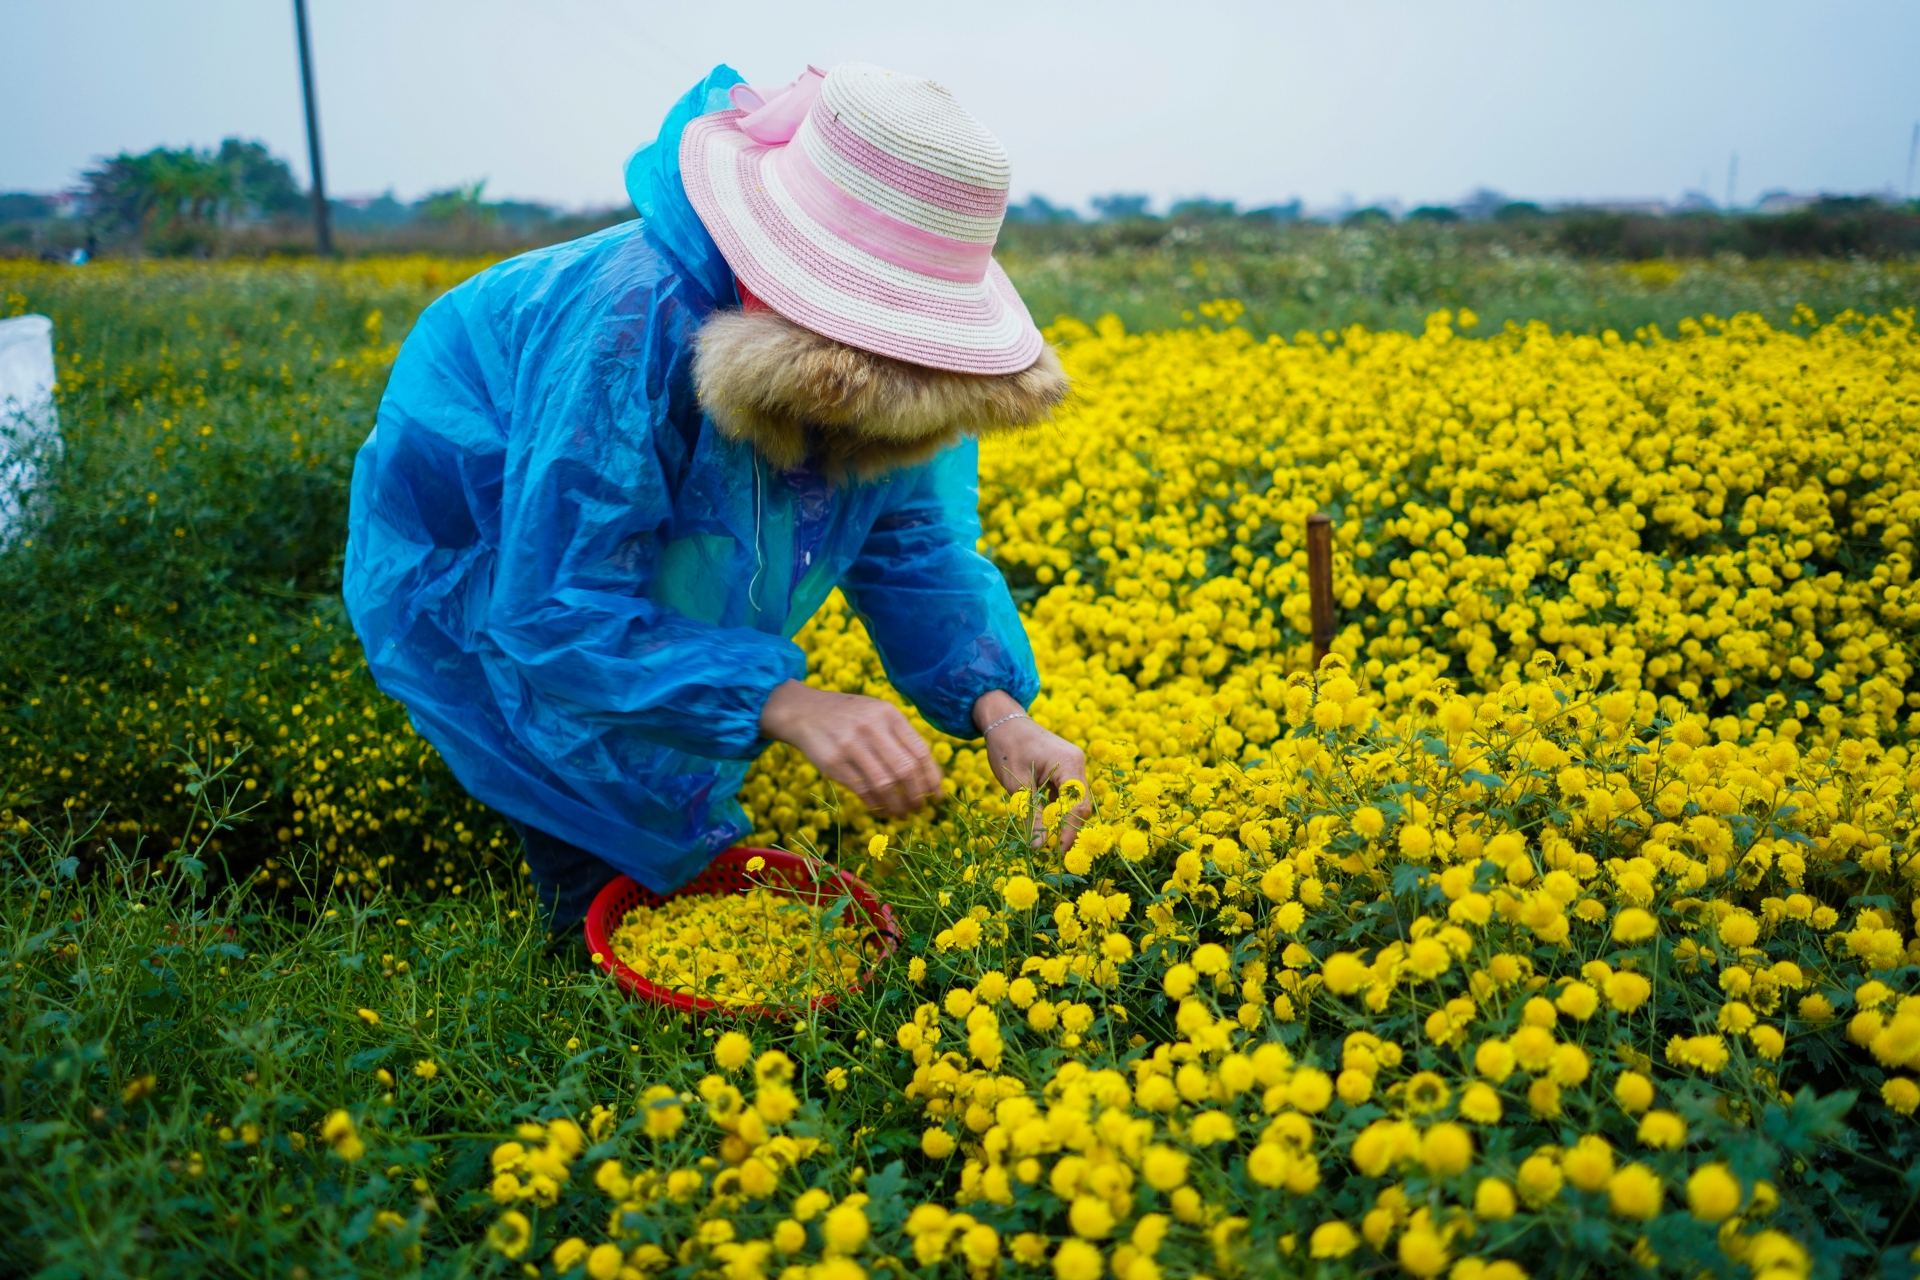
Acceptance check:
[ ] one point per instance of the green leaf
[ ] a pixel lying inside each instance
(368, 1059)
(1809, 1122)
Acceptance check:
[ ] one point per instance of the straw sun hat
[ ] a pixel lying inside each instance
(863, 205)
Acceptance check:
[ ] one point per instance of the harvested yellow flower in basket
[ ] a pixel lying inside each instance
(759, 932)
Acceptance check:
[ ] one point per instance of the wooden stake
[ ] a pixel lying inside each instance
(1320, 582)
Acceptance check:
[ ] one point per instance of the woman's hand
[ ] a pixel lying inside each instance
(863, 744)
(1023, 754)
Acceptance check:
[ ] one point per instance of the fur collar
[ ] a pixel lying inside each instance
(792, 393)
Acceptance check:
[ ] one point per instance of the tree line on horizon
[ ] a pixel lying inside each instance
(240, 198)
(189, 201)
(1840, 226)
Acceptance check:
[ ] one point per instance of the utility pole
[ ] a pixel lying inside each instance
(1913, 152)
(1733, 172)
(322, 233)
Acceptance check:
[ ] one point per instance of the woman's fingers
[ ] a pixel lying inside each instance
(898, 794)
(910, 777)
(1074, 817)
(922, 775)
(896, 773)
(873, 781)
(896, 763)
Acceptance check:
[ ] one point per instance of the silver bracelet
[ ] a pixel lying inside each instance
(1018, 715)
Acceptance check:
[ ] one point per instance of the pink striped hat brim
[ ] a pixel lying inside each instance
(759, 212)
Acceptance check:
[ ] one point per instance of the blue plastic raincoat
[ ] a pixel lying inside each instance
(583, 592)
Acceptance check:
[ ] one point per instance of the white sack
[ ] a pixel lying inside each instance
(29, 424)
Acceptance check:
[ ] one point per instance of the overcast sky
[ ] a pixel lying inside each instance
(1257, 102)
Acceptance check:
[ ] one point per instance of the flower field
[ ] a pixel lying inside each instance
(1562, 923)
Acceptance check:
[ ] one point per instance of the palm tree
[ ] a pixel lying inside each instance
(179, 200)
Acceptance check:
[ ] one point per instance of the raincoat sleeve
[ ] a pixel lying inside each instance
(938, 610)
(589, 377)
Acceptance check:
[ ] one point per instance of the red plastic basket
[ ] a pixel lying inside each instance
(801, 878)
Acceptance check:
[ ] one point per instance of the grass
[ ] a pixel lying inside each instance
(174, 1042)
(181, 599)
(166, 627)
(242, 1025)
(1291, 278)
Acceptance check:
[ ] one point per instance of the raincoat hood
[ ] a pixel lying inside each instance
(583, 587)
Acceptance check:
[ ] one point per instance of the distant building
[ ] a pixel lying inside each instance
(31, 206)
(1644, 207)
(1482, 203)
(1119, 207)
(1040, 210)
(1289, 212)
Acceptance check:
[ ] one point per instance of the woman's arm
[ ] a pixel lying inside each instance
(514, 502)
(948, 633)
(938, 610)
